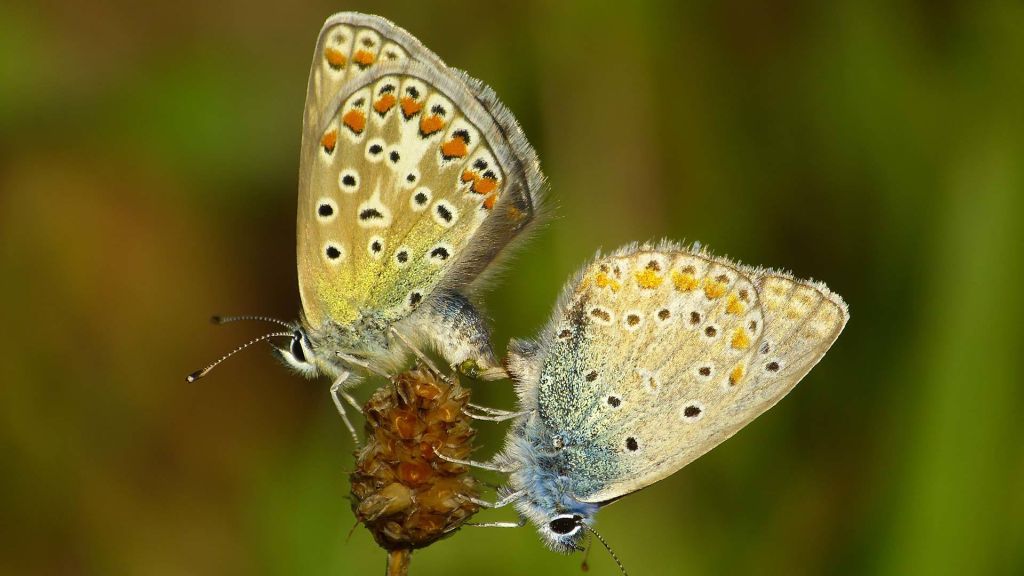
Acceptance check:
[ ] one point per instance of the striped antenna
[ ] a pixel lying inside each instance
(200, 373)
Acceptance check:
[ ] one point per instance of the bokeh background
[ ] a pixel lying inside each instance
(148, 160)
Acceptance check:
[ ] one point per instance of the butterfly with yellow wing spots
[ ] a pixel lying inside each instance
(654, 355)
(413, 180)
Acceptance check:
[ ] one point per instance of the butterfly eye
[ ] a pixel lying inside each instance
(565, 524)
(296, 348)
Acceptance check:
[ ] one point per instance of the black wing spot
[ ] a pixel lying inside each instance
(694, 318)
(415, 298)
(376, 149)
(420, 198)
(480, 164)
(441, 253)
(348, 180)
(376, 246)
(410, 178)
(413, 91)
(614, 401)
(402, 256)
(705, 371)
(664, 314)
(592, 376)
(370, 214)
(772, 367)
(711, 331)
(394, 156)
(333, 253)
(691, 411)
(444, 212)
(325, 210)
(438, 109)
(631, 444)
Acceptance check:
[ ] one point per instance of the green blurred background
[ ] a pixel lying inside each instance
(148, 160)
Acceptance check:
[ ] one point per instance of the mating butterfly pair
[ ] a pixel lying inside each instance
(414, 179)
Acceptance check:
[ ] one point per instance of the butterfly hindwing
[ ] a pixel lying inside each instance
(658, 354)
(414, 178)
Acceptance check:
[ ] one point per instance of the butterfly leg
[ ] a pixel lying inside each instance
(519, 524)
(336, 394)
(460, 335)
(500, 503)
(416, 351)
(507, 469)
(353, 361)
(492, 414)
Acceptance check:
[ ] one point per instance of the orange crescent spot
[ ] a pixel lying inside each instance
(649, 279)
(329, 141)
(468, 176)
(603, 281)
(355, 121)
(736, 375)
(363, 58)
(335, 59)
(385, 103)
(490, 200)
(734, 307)
(455, 148)
(431, 124)
(713, 288)
(484, 185)
(410, 107)
(683, 282)
(740, 340)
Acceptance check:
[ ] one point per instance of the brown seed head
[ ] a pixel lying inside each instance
(405, 495)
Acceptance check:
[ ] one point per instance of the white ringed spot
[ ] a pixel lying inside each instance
(373, 214)
(439, 253)
(374, 150)
(326, 209)
(333, 252)
(420, 199)
(402, 256)
(375, 247)
(445, 213)
(692, 411)
(348, 181)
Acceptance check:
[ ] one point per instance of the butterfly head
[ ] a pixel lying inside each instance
(299, 354)
(563, 532)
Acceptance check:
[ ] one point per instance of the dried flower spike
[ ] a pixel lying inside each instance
(405, 495)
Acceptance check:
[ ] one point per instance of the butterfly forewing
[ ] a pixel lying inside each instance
(407, 162)
(659, 354)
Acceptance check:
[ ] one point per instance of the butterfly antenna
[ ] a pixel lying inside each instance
(585, 566)
(200, 373)
(608, 548)
(228, 319)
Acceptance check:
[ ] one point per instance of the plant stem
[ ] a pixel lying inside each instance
(398, 562)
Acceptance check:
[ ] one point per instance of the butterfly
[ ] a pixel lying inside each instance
(654, 355)
(413, 180)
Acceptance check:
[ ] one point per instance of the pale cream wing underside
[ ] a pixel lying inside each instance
(684, 350)
(404, 161)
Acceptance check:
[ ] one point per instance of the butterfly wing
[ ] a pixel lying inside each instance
(413, 175)
(657, 355)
